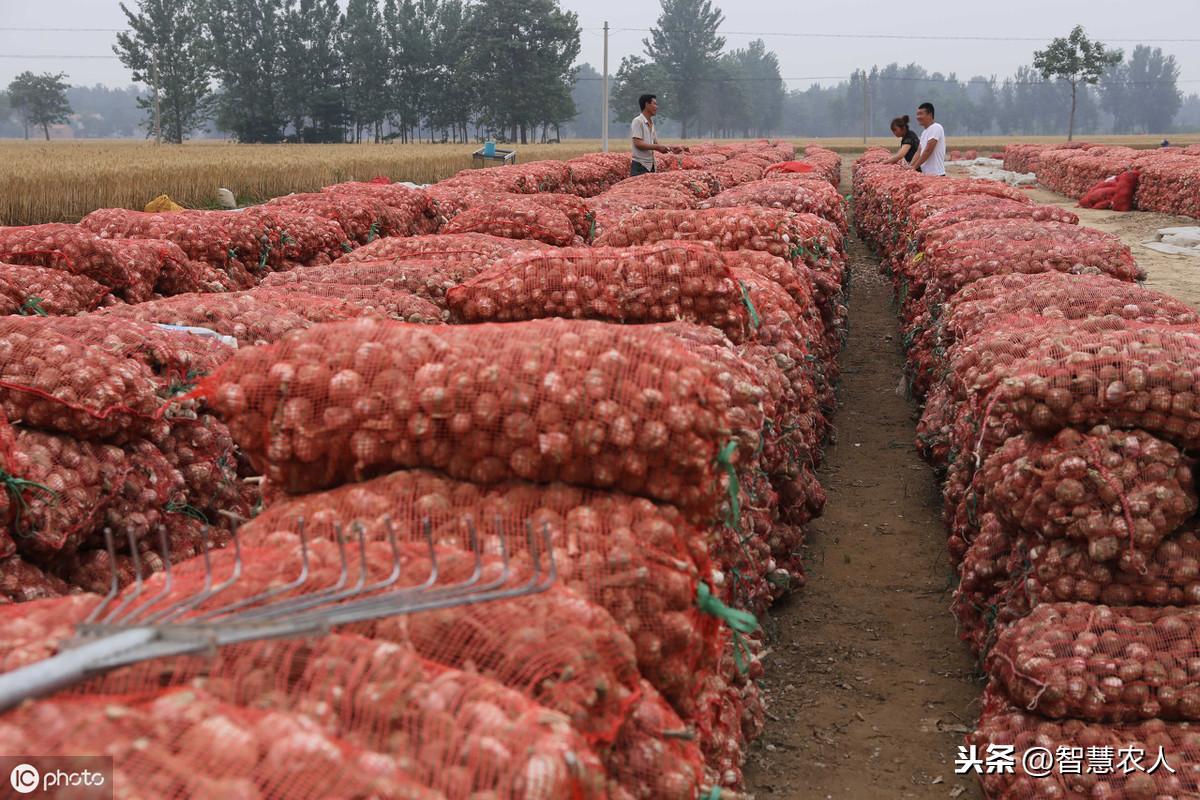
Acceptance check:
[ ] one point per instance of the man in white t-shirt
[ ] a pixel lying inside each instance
(931, 153)
(645, 138)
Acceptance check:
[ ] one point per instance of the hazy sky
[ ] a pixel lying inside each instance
(1118, 22)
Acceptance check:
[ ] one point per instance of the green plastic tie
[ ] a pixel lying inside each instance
(262, 258)
(739, 621)
(232, 253)
(754, 318)
(32, 307)
(16, 489)
(725, 460)
(187, 510)
(373, 232)
(346, 247)
(713, 794)
(591, 216)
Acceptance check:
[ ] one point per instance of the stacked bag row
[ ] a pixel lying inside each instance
(1060, 407)
(1163, 179)
(653, 410)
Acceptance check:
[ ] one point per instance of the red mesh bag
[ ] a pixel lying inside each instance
(1115, 760)
(639, 561)
(373, 300)
(656, 283)
(294, 235)
(203, 452)
(22, 582)
(182, 277)
(801, 196)
(468, 250)
(33, 631)
(249, 317)
(325, 307)
(1109, 488)
(363, 218)
(536, 176)
(483, 403)
(62, 491)
(817, 294)
(185, 743)
(46, 292)
(426, 279)
(697, 182)
(229, 241)
(781, 233)
(453, 200)
(1145, 377)
(57, 383)
(593, 173)
(413, 203)
(516, 220)
(1102, 664)
(176, 358)
(988, 208)
(615, 205)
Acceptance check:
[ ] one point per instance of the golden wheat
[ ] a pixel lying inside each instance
(62, 181)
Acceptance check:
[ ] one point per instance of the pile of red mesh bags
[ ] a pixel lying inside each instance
(797, 237)
(248, 317)
(373, 300)
(516, 219)
(482, 403)
(1119, 761)
(1168, 185)
(1062, 399)
(531, 178)
(452, 201)
(363, 218)
(653, 283)
(40, 291)
(593, 173)
(700, 183)
(413, 204)
(1113, 193)
(613, 206)
(787, 193)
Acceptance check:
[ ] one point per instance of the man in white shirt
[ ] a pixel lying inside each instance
(645, 138)
(931, 153)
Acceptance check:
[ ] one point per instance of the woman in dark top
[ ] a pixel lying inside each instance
(909, 141)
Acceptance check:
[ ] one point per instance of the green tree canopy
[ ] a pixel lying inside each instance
(1076, 60)
(41, 100)
(686, 44)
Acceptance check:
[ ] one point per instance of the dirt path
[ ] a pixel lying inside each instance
(869, 689)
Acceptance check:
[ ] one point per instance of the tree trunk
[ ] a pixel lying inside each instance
(1071, 124)
(683, 125)
(46, 130)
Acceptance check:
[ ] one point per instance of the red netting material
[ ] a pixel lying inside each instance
(453, 200)
(1102, 664)
(655, 283)
(620, 202)
(699, 183)
(1002, 724)
(639, 561)
(249, 317)
(515, 219)
(363, 218)
(588, 403)
(39, 291)
(1168, 185)
(428, 278)
(57, 383)
(372, 300)
(415, 204)
(788, 193)
(473, 250)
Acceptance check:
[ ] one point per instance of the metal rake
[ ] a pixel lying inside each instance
(128, 627)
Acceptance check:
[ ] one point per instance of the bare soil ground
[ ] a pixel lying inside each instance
(870, 690)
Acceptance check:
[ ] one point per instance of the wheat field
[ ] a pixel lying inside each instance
(61, 181)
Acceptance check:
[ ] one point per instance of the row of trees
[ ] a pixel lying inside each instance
(1073, 83)
(307, 70)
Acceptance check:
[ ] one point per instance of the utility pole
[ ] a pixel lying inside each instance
(866, 107)
(604, 94)
(157, 109)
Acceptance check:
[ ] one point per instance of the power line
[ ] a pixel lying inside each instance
(790, 34)
(906, 36)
